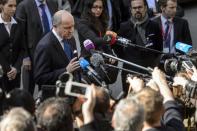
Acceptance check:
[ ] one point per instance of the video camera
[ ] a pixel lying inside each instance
(178, 63)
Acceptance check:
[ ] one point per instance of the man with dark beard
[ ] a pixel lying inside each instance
(142, 32)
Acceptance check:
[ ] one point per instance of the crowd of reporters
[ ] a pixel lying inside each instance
(46, 50)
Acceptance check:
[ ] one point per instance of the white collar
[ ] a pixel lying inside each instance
(13, 21)
(57, 36)
(164, 19)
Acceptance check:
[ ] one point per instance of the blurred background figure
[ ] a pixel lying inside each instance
(11, 46)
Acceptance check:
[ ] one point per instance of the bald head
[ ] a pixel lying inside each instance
(60, 16)
(63, 23)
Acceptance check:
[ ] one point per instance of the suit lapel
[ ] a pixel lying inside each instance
(53, 6)
(3, 29)
(37, 15)
(59, 48)
(175, 29)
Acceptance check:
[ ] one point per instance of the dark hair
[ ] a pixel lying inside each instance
(102, 100)
(163, 3)
(20, 98)
(145, 2)
(99, 24)
(3, 2)
(54, 114)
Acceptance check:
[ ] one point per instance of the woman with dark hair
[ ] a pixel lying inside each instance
(11, 46)
(93, 25)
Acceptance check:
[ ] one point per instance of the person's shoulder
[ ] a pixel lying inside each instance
(179, 19)
(153, 23)
(47, 40)
(127, 23)
(156, 18)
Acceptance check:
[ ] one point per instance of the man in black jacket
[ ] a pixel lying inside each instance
(35, 16)
(142, 32)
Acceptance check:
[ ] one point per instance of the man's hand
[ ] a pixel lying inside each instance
(136, 84)
(73, 65)
(112, 61)
(12, 73)
(27, 63)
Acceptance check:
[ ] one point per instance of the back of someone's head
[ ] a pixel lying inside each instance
(128, 115)
(17, 119)
(102, 100)
(153, 104)
(20, 98)
(54, 114)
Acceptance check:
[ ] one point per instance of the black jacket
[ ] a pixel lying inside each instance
(181, 30)
(136, 55)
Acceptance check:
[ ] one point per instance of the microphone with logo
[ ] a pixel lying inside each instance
(112, 38)
(89, 46)
(186, 49)
(85, 65)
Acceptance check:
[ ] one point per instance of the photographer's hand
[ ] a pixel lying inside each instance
(88, 106)
(160, 80)
(136, 84)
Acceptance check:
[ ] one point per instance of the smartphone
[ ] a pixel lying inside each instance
(77, 89)
(187, 64)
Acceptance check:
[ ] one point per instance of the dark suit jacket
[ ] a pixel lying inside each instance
(50, 59)
(137, 55)
(86, 30)
(11, 47)
(28, 14)
(11, 53)
(181, 30)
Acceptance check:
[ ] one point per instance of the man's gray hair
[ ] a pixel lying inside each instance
(128, 115)
(57, 19)
(18, 119)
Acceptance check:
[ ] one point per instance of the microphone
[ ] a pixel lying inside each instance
(85, 65)
(182, 47)
(112, 37)
(89, 45)
(97, 61)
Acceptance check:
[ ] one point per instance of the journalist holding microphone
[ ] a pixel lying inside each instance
(54, 53)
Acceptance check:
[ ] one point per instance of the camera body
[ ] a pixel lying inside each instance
(178, 63)
(66, 85)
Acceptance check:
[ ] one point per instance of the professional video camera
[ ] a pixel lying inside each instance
(184, 59)
(178, 63)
